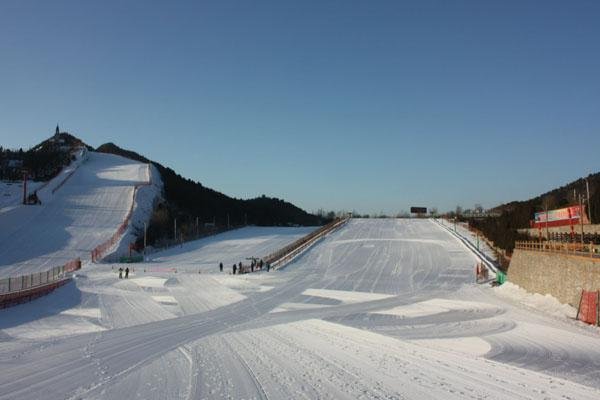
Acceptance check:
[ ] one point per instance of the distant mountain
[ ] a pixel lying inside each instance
(517, 214)
(187, 200)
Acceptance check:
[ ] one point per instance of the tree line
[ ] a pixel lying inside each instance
(200, 210)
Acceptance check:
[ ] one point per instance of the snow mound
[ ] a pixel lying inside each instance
(345, 296)
(434, 306)
(545, 303)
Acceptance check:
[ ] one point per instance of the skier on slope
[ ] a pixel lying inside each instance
(221, 267)
(234, 268)
(120, 272)
(127, 273)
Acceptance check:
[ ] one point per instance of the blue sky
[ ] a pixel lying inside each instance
(371, 105)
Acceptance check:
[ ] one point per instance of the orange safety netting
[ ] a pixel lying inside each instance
(588, 307)
(100, 250)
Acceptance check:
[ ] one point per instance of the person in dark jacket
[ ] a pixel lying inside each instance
(234, 268)
(126, 272)
(221, 267)
(120, 272)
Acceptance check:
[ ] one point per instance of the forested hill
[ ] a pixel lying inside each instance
(517, 214)
(557, 198)
(43, 161)
(187, 200)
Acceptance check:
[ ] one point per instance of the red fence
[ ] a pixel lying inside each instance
(588, 307)
(19, 289)
(100, 250)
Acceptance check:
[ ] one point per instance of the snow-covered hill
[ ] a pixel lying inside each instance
(81, 208)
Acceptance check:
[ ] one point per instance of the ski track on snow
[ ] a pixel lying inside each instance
(378, 309)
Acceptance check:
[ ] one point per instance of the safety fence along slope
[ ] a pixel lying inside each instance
(486, 261)
(283, 256)
(101, 250)
(20, 289)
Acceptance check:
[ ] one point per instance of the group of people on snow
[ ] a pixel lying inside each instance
(121, 272)
(243, 269)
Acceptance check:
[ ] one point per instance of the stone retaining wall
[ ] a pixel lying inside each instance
(562, 276)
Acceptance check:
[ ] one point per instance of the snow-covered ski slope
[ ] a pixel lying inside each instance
(229, 248)
(83, 213)
(379, 309)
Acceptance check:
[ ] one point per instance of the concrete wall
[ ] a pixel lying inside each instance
(562, 276)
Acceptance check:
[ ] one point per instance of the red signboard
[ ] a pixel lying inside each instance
(561, 217)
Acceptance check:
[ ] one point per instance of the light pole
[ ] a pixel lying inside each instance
(589, 205)
(24, 187)
(547, 230)
(581, 218)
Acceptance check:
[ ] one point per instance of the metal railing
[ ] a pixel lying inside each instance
(15, 284)
(579, 249)
(282, 256)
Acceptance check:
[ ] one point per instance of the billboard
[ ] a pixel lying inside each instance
(561, 217)
(418, 210)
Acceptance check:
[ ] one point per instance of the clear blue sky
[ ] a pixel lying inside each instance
(366, 105)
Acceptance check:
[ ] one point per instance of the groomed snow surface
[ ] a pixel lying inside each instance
(382, 309)
(83, 213)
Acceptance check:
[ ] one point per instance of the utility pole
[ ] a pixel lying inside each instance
(581, 218)
(145, 241)
(24, 187)
(547, 231)
(589, 205)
